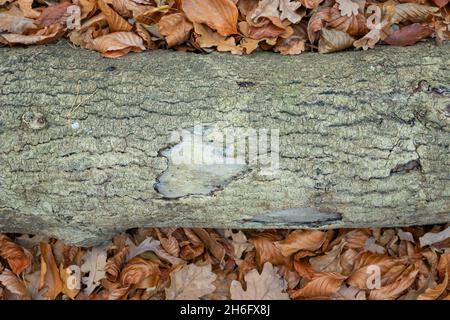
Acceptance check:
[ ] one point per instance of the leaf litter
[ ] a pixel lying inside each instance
(411, 263)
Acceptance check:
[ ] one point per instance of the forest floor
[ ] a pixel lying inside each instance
(180, 263)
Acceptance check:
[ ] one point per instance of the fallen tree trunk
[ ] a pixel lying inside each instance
(87, 145)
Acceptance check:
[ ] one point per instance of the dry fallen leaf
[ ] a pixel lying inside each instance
(176, 28)
(19, 259)
(332, 40)
(322, 286)
(191, 283)
(50, 282)
(301, 240)
(207, 38)
(220, 15)
(117, 44)
(94, 266)
(13, 284)
(432, 238)
(265, 286)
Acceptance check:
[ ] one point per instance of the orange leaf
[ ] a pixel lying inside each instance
(266, 251)
(50, 277)
(395, 289)
(115, 21)
(322, 286)
(301, 240)
(220, 15)
(17, 257)
(176, 28)
(118, 44)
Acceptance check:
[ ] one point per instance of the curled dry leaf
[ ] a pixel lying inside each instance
(26, 6)
(210, 241)
(50, 281)
(332, 40)
(322, 286)
(115, 263)
(19, 259)
(330, 261)
(432, 238)
(395, 289)
(349, 293)
(365, 262)
(407, 36)
(436, 292)
(191, 283)
(141, 273)
(267, 251)
(54, 14)
(207, 38)
(14, 285)
(176, 28)
(290, 46)
(118, 44)
(42, 36)
(115, 21)
(220, 15)
(301, 240)
(14, 23)
(265, 286)
(412, 12)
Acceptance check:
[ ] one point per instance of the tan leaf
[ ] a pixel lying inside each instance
(265, 9)
(220, 15)
(412, 12)
(42, 36)
(330, 261)
(348, 7)
(395, 289)
(239, 241)
(115, 21)
(27, 9)
(13, 284)
(15, 24)
(265, 286)
(94, 264)
(290, 46)
(207, 38)
(349, 293)
(289, 9)
(436, 292)
(301, 240)
(19, 259)
(176, 28)
(87, 7)
(142, 31)
(50, 278)
(191, 283)
(432, 238)
(118, 44)
(332, 40)
(322, 286)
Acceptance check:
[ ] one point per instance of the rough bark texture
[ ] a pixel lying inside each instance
(362, 143)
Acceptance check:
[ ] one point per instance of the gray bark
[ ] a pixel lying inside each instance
(86, 142)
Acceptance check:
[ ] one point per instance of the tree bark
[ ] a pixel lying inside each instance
(86, 142)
